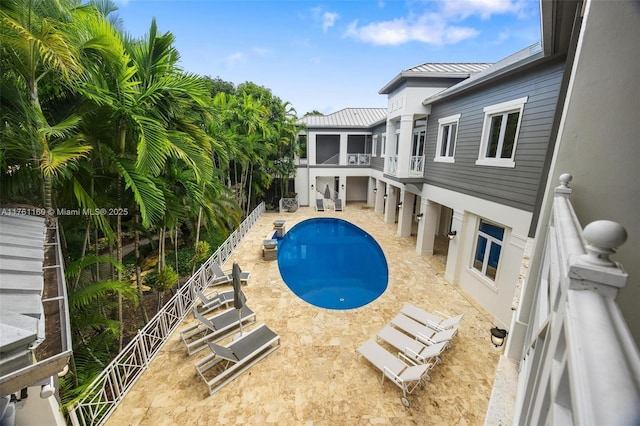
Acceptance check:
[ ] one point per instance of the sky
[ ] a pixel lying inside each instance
(330, 55)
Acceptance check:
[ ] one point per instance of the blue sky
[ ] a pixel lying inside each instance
(329, 55)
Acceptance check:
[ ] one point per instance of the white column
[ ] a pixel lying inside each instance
(404, 148)
(406, 214)
(390, 206)
(428, 227)
(389, 148)
(343, 149)
(454, 260)
(379, 197)
(342, 188)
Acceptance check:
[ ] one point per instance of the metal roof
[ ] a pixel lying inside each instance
(348, 117)
(21, 285)
(455, 70)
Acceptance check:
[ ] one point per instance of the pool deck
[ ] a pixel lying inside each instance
(315, 377)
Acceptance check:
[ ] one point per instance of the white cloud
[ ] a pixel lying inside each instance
(325, 19)
(235, 58)
(328, 20)
(442, 24)
(483, 8)
(429, 28)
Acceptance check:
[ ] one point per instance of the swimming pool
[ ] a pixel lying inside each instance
(332, 264)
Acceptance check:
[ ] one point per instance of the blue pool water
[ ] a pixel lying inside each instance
(332, 264)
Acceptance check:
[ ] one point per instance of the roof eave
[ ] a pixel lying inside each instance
(484, 79)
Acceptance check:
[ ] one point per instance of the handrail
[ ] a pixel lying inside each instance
(106, 392)
(581, 364)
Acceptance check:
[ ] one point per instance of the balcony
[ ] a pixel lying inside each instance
(580, 363)
(416, 167)
(358, 159)
(392, 165)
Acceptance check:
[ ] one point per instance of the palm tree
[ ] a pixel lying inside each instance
(39, 44)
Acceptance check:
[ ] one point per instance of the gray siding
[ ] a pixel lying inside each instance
(516, 187)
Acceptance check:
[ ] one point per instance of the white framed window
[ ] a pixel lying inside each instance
(500, 133)
(383, 149)
(447, 136)
(417, 146)
(489, 241)
(374, 146)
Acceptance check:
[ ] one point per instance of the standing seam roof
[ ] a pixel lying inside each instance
(348, 117)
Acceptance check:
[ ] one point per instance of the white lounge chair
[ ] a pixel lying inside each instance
(213, 301)
(406, 376)
(196, 337)
(337, 204)
(223, 277)
(417, 351)
(319, 204)
(228, 362)
(429, 319)
(422, 332)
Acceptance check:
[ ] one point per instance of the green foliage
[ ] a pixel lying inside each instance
(202, 252)
(166, 279)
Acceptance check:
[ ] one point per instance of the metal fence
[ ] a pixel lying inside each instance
(107, 390)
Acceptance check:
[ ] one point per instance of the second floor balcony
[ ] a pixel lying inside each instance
(416, 165)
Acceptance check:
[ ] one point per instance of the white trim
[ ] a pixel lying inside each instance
(374, 146)
(383, 146)
(443, 122)
(505, 108)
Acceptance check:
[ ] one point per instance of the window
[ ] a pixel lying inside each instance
(500, 133)
(374, 146)
(447, 136)
(417, 147)
(383, 150)
(302, 145)
(488, 249)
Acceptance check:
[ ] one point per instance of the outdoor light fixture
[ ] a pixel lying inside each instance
(342, 186)
(451, 235)
(400, 204)
(419, 216)
(311, 186)
(497, 336)
(385, 196)
(375, 189)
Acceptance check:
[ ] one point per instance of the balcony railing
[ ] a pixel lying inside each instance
(417, 165)
(105, 393)
(358, 159)
(392, 165)
(580, 364)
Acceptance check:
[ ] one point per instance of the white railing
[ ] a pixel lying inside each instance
(581, 365)
(105, 393)
(392, 164)
(358, 159)
(417, 165)
(332, 160)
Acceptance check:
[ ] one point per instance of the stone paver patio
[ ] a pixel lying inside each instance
(315, 377)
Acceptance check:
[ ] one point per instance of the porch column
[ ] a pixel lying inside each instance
(379, 197)
(371, 195)
(406, 214)
(342, 158)
(455, 247)
(390, 205)
(404, 145)
(427, 227)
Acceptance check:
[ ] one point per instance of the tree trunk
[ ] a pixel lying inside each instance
(138, 275)
(120, 303)
(195, 247)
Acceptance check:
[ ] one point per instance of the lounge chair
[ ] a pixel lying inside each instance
(418, 352)
(429, 319)
(422, 332)
(405, 375)
(213, 301)
(337, 204)
(212, 329)
(227, 277)
(228, 362)
(319, 204)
